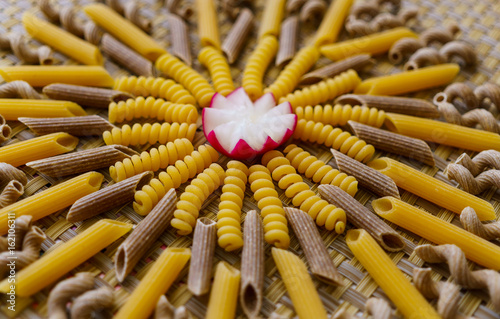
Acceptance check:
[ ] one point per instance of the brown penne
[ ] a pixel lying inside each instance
(233, 43)
(19, 89)
(82, 161)
(288, 40)
(5, 130)
(355, 62)
(11, 193)
(366, 176)
(179, 38)
(107, 198)
(144, 235)
(412, 148)
(84, 95)
(10, 173)
(319, 260)
(76, 126)
(362, 217)
(200, 268)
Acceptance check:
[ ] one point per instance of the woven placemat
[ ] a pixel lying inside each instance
(479, 21)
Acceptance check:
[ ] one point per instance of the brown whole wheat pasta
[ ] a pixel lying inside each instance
(235, 39)
(49, 11)
(18, 89)
(387, 20)
(394, 143)
(126, 57)
(356, 62)
(107, 198)
(488, 91)
(23, 225)
(77, 125)
(5, 131)
(66, 17)
(185, 11)
(460, 90)
(179, 38)
(9, 173)
(484, 160)
(200, 268)
(11, 193)
(65, 291)
(394, 104)
(362, 217)
(293, 6)
(16, 42)
(424, 57)
(288, 40)
(144, 235)
(320, 262)
(342, 314)
(367, 177)
(366, 10)
(92, 301)
(252, 265)
(131, 11)
(82, 161)
(440, 35)
(473, 184)
(164, 309)
(472, 224)
(85, 95)
(404, 47)
(313, 10)
(92, 33)
(358, 27)
(378, 308)
(464, 51)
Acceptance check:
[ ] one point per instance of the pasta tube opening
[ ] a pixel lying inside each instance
(67, 141)
(6, 131)
(250, 295)
(120, 262)
(18, 186)
(353, 235)
(379, 165)
(393, 241)
(383, 206)
(95, 181)
(391, 126)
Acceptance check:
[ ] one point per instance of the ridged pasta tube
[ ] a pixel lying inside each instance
(257, 64)
(271, 207)
(219, 70)
(188, 77)
(173, 177)
(289, 78)
(152, 160)
(340, 114)
(335, 138)
(231, 202)
(147, 133)
(302, 196)
(318, 171)
(190, 202)
(156, 87)
(152, 108)
(324, 90)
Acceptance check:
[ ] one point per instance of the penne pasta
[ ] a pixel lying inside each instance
(271, 18)
(78, 125)
(224, 296)
(10, 173)
(288, 40)
(66, 257)
(332, 22)
(84, 95)
(12, 109)
(208, 25)
(355, 62)
(235, 39)
(179, 38)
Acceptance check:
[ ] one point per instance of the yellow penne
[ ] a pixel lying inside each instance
(20, 153)
(388, 276)
(42, 75)
(270, 23)
(154, 284)
(442, 133)
(224, 295)
(332, 23)
(12, 109)
(438, 231)
(66, 257)
(299, 285)
(376, 43)
(52, 199)
(409, 81)
(432, 189)
(208, 26)
(62, 40)
(125, 31)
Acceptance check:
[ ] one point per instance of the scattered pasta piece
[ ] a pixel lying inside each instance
(200, 268)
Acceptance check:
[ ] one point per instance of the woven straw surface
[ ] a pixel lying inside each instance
(480, 24)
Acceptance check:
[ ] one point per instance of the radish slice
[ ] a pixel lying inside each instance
(241, 129)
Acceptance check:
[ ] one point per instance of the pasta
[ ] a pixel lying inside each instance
(332, 22)
(469, 183)
(131, 11)
(355, 62)
(288, 40)
(218, 67)
(489, 159)
(312, 10)
(471, 223)
(142, 134)
(462, 91)
(16, 42)
(190, 202)
(271, 18)
(77, 125)
(11, 193)
(404, 47)
(96, 300)
(224, 296)
(155, 283)
(324, 214)
(460, 49)
(235, 39)
(208, 29)
(19, 89)
(299, 285)
(387, 275)
(271, 207)
(66, 290)
(424, 56)
(179, 38)
(124, 31)
(65, 17)
(340, 114)
(488, 91)
(5, 130)
(10, 173)
(12, 109)
(231, 201)
(83, 95)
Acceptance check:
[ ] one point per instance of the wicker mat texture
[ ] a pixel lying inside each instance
(479, 21)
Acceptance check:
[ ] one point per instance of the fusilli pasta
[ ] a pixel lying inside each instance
(340, 114)
(219, 70)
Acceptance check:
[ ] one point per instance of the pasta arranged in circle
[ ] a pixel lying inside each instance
(340, 114)
(219, 70)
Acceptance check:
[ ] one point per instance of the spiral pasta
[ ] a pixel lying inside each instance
(289, 78)
(340, 114)
(190, 202)
(334, 137)
(257, 64)
(156, 87)
(271, 207)
(318, 171)
(231, 202)
(324, 90)
(147, 133)
(173, 177)
(152, 160)
(152, 108)
(188, 77)
(302, 196)
(219, 70)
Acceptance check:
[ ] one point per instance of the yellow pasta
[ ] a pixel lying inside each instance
(409, 81)
(432, 189)
(332, 23)
(374, 44)
(12, 109)
(443, 133)
(66, 257)
(438, 231)
(142, 134)
(154, 284)
(388, 276)
(61, 40)
(341, 114)
(219, 70)
(208, 26)
(20, 153)
(298, 283)
(224, 295)
(42, 75)
(270, 24)
(125, 31)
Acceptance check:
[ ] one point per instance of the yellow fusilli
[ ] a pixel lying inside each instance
(340, 114)
(219, 70)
